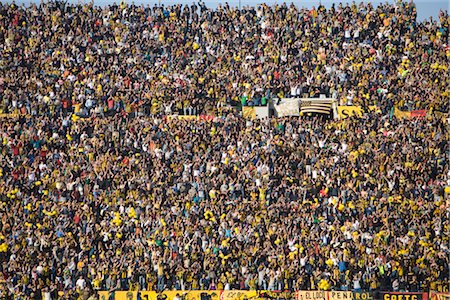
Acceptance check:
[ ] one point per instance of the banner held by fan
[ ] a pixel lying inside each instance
(248, 112)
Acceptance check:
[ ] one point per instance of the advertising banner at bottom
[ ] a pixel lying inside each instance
(153, 295)
(189, 295)
(196, 295)
(403, 296)
(255, 295)
(335, 295)
(311, 295)
(238, 295)
(258, 295)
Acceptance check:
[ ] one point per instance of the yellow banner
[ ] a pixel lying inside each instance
(238, 295)
(167, 295)
(336, 295)
(401, 114)
(248, 112)
(245, 295)
(349, 111)
(311, 295)
(214, 295)
(362, 296)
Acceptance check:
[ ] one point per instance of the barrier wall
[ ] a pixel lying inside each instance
(196, 295)
(253, 295)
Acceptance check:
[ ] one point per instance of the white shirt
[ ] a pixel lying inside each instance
(321, 143)
(81, 283)
(303, 261)
(47, 296)
(356, 284)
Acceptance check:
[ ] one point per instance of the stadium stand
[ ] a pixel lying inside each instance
(126, 163)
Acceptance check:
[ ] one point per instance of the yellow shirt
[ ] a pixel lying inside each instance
(160, 270)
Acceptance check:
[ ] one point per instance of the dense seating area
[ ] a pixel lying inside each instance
(100, 190)
(59, 58)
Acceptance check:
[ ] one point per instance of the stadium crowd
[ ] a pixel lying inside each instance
(121, 203)
(100, 191)
(58, 58)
